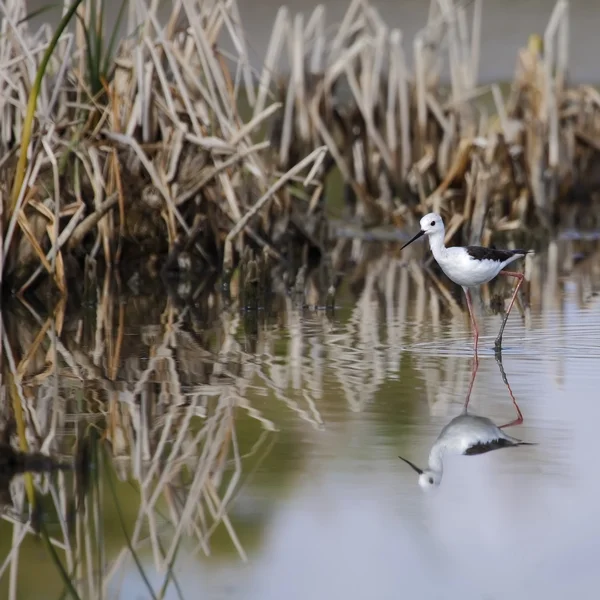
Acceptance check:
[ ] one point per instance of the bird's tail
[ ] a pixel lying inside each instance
(517, 442)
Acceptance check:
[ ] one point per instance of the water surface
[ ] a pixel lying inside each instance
(294, 418)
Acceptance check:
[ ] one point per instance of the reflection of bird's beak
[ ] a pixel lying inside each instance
(419, 471)
(413, 239)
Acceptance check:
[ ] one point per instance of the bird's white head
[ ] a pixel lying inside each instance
(430, 224)
(428, 479)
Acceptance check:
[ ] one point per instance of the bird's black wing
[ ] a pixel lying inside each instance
(483, 447)
(483, 253)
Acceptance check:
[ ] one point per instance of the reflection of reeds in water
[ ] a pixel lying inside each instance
(577, 260)
(145, 390)
(171, 432)
(396, 302)
(409, 298)
(147, 398)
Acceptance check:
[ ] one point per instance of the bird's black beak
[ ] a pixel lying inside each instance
(413, 239)
(419, 471)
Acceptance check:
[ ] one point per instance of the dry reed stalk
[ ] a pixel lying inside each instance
(269, 65)
(313, 158)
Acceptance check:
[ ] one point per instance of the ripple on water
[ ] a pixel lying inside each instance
(547, 336)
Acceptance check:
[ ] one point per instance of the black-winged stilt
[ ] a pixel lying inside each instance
(469, 266)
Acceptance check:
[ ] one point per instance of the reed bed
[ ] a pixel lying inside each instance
(168, 151)
(136, 148)
(408, 141)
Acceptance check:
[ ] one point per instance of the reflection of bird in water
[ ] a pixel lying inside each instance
(468, 435)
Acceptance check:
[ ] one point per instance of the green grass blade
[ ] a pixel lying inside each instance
(98, 24)
(56, 560)
(92, 76)
(31, 106)
(170, 573)
(68, 587)
(112, 41)
(123, 527)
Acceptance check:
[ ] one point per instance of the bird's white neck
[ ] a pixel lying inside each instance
(436, 463)
(436, 243)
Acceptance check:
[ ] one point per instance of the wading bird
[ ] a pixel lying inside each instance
(468, 435)
(469, 266)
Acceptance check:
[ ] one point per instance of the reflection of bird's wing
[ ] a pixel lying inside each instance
(472, 434)
(496, 444)
(467, 432)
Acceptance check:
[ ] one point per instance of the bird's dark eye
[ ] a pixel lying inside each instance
(431, 481)
(433, 223)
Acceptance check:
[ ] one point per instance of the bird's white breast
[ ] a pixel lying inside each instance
(467, 271)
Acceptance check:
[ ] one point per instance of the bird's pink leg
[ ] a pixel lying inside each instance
(472, 315)
(519, 418)
(520, 277)
(473, 373)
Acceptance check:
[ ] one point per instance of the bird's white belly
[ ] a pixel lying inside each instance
(465, 271)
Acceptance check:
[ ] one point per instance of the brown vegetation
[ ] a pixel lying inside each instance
(150, 154)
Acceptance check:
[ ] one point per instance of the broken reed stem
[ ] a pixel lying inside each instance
(314, 156)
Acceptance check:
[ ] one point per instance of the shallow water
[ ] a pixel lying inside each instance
(311, 410)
